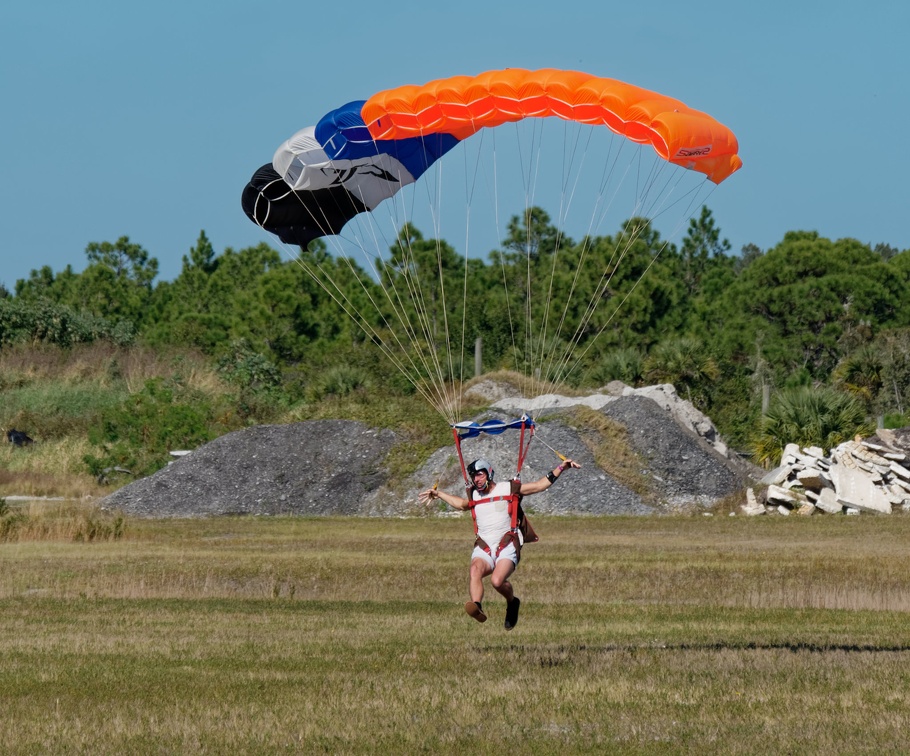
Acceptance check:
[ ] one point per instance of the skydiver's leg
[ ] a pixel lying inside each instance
(481, 566)
(500, 580)
(505, 566)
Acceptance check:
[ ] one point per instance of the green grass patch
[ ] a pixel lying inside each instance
(56, 410)
(637, 635)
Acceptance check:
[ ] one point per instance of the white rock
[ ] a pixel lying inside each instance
(867, 455)
(856, 490)
(874, 447)
(778, 495)
(791, 450)
(785, 511)
(813, 479)
(752, 508)
(827, 502)
(777, 476)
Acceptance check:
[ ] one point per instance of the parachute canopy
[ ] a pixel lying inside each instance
(364, 152)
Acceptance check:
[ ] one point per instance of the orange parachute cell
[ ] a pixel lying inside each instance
(461, 105)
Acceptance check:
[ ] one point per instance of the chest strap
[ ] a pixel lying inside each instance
(514, 500)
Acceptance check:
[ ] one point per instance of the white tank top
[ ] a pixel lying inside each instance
(493, 518)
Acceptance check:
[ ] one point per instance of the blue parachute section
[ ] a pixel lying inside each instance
(344, 136)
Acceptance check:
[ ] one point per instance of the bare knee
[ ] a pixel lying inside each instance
(479, 569)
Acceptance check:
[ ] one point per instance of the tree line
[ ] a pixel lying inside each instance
(726, 329)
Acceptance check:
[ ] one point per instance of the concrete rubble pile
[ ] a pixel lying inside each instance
(863, 475)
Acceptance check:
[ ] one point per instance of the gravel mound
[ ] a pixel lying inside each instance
(314, 468)
(338, 467)
(685, 469)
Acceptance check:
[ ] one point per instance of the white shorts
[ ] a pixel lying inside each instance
(507, 553)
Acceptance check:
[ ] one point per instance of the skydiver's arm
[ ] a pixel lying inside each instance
(456, 502)
(549, 479)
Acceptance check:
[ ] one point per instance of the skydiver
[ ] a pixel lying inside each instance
(499, 520)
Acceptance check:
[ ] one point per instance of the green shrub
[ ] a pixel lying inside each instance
(809, 417)
(46, 322)
(258, 381)
(138, 433)
(244, 367)
(626, 365)
(339, 381)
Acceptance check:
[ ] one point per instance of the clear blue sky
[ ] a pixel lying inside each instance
(147, 120)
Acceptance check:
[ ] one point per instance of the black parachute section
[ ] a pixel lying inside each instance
(297, 217)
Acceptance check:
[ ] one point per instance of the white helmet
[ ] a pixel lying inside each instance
(479, 465)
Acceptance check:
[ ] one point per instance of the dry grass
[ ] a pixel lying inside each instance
(51, 468)
(53, 521)
(57, 394)
(104, 365)
(648, 635)
(827, 563)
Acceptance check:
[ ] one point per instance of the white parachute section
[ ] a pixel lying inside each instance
(304, 165)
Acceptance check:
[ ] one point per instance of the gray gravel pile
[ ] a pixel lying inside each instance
(686, 471)
(338, 467)
(586, 491)
(316, 468)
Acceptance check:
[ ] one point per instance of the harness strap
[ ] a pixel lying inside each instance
(475, 502)
(510, 537)
(513, 498)
(526, 422)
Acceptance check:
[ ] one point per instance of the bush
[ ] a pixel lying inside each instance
(339, 381)
(138, 433)
(626, 365)
(45, 322)
(258, 380)
(246, 368)
(809, 417)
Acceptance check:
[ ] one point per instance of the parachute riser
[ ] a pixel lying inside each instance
(464, 470)
(522, 446)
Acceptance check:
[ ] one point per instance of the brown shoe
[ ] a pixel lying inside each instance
(473, 609)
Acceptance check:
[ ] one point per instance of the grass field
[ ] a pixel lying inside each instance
(637, 635)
